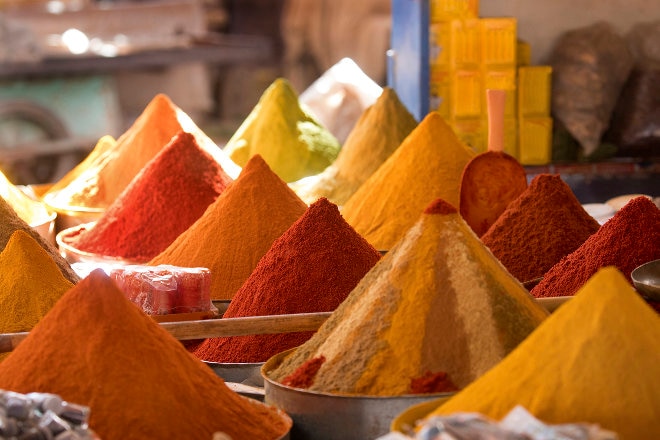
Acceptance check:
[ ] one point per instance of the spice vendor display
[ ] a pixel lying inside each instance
(99, 179)
(30, 211)
(593, 360)
(167, 196)
(312, 267)
(291, 141)
(437, 307)
(543, 225)
(378, 132)
(426, 166)
(237, 229)
(42, 416)
(490, 181)
(630, 238)
(97, 349)
(11, 222)
(30, 284)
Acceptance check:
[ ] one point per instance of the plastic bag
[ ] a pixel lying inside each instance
(590, 66)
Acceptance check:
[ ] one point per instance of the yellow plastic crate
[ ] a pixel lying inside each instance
(471, 131)
(465, 43)
(440, 90)
(511, 136)
(534, 90)
(504, 79)
(498, 41)
(439, 43)
(467, 94)
(523, 53)
(535, 141)
(442, 10)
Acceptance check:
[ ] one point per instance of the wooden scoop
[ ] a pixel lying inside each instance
(491, 180)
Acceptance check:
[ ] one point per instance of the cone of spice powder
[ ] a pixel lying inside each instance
(540, 227)
(439, 303)
(98, 349)
(167, 196)
(427, 166)
(593, 360)
(291, 141)
(379, 131)
(630, 238)
(97, 183)
(10, 222)
(30, 284)
(30, 211)
(237, 229)
(311, 268)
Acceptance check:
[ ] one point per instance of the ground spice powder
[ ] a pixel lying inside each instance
(30, 284)
(237, 229)
(11, 222)
(97, 349)
(594, 360)
(378, 132)
(167, 196)
(436, 302)
(426, 166)
(543, 225)
(627, 240)
(291, 141)
(30, 211)
(312, 267)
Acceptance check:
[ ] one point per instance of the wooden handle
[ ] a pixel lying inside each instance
(212, 328)
(495, 100)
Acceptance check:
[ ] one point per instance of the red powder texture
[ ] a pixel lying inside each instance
(311, 268)
(432, 383)
(303, 376)
(543, 225)
(168, 195)
(440, 207)
(630, 238)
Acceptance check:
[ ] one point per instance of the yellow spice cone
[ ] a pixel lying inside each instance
(30, 211)
(596, 359)
(439, 301)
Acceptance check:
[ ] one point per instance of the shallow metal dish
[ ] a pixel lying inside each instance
(247, 373)
(646, 279)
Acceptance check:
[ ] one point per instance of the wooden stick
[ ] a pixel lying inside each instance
(212, 328)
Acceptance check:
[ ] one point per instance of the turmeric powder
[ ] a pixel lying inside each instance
(291, 141)
(31, 211)
(594, 360)
(438, 301)
(379, 131)
(427, 166)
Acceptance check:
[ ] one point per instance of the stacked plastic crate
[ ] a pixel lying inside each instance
(469, 55)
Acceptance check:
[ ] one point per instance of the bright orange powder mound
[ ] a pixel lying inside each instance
(95, 348)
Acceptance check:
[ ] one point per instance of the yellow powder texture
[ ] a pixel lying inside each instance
(379, 131)
(291, 141)
(31, 211)
(596, 359)
(11, 222)
(427, 166)
(439, 301)
(97, 181)
(30, 284)
(237, 229)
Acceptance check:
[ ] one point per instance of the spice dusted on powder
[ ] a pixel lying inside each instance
(379, 131)
(438, 302)
(237, 229)
(30, 211)
(427, 166)
(96, 348)
(30, 284)
(594, 360)
(167, 196)
(311, 268)
(627, 240)
(291, 141)
(10, 222)
(544, 224)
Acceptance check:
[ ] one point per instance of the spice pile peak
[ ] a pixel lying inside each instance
(30, 211)
(438, 303)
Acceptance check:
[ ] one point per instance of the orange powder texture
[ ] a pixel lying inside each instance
(97, 349)
(426, 166)
(237, 229)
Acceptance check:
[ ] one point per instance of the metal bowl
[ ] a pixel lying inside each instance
(322, 416)
(73, 255)
(247, 373)
(646, 279)
(46, 227)
(407, 419)
(70, 216)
